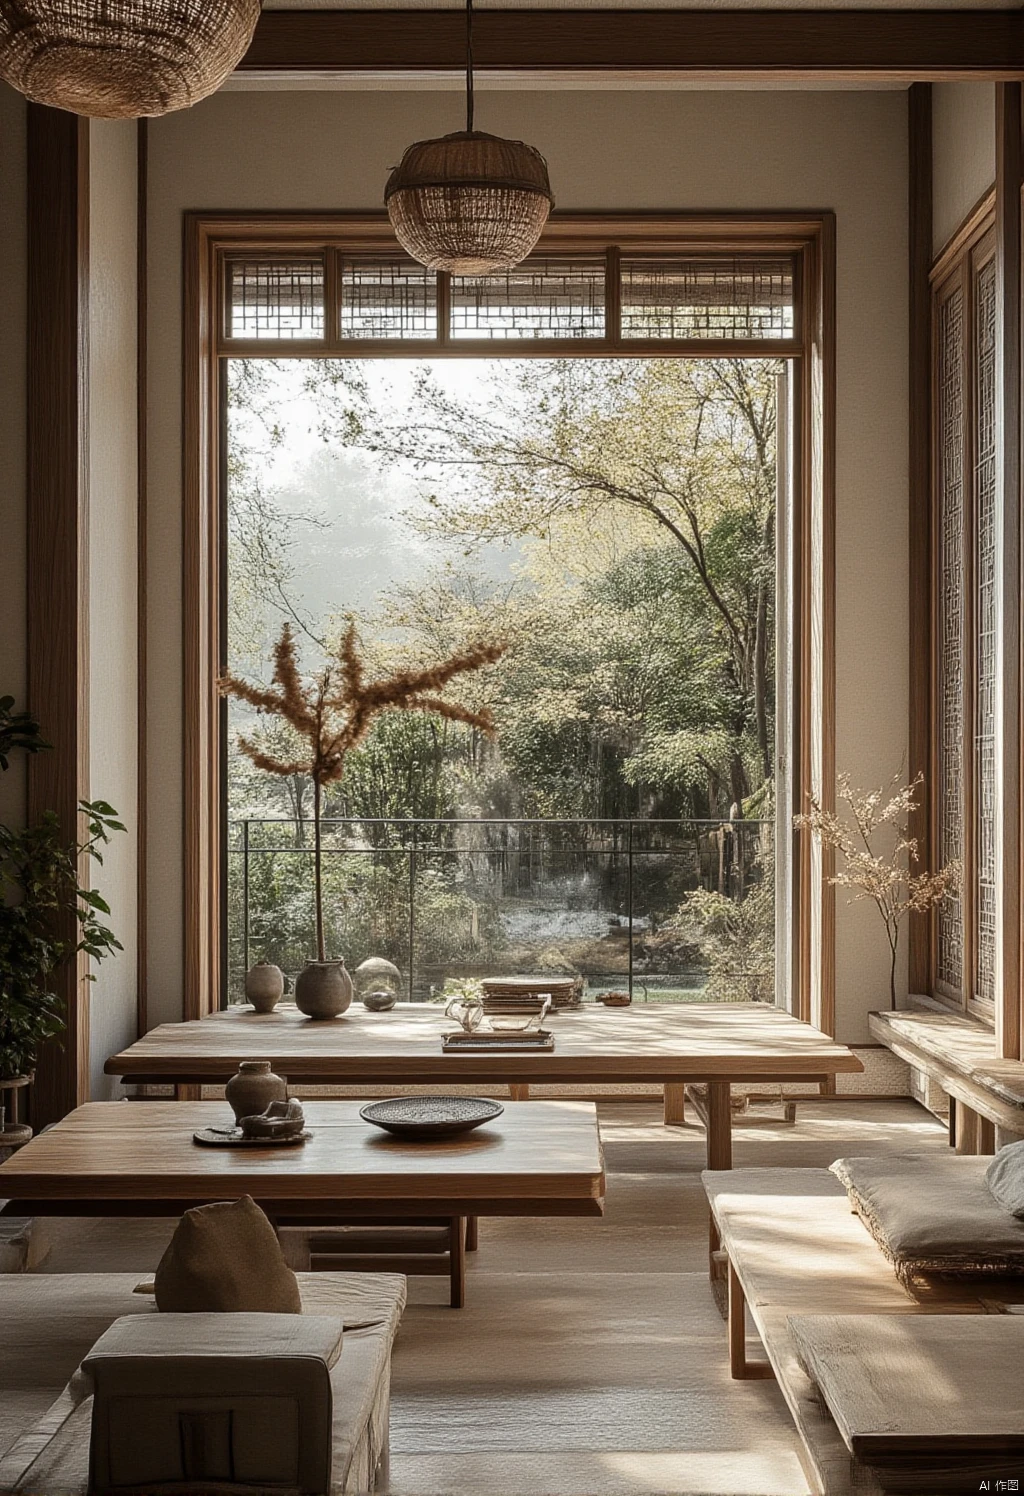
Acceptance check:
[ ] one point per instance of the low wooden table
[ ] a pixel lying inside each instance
(927, 1402)
(670, 1044)
(123, 1158)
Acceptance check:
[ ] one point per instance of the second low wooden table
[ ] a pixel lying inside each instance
(127, 1158)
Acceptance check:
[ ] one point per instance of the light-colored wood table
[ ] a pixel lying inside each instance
(670, 1044)
(128, 1158)
(929, 1402)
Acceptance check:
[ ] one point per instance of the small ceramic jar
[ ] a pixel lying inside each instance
(253, 1089)
(264, 986)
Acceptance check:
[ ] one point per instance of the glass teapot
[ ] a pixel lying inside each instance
(468, 1012)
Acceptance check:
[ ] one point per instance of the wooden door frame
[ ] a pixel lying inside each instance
(811, 237)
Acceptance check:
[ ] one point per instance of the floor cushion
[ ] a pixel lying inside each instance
(226, 1258)
(933, 1214)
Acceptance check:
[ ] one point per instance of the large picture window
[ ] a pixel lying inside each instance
(605, 455)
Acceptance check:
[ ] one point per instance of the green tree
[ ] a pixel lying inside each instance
(686, 447)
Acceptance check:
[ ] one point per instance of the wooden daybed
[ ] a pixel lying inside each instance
(791, 1246)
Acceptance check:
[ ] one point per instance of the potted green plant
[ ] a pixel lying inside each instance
(39, 886)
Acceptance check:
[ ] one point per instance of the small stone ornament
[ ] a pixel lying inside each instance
(281, 1120)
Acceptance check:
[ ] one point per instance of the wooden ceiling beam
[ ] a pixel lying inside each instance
(819, 45)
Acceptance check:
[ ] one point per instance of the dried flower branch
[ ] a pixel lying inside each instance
(888, 880)
(334, 710)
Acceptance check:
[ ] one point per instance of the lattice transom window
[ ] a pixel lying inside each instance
(387, 299)
(709, 298)
(275, 299)
(543, 298)
(609, 299)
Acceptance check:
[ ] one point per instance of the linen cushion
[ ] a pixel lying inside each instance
(233, 1398)
(933, 1214)
(225, 1258)
(1005, 1178)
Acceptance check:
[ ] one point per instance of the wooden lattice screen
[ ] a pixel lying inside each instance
(950, 621)
(984, 531)
(965, 531)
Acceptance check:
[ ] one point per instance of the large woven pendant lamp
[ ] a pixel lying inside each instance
(469, 203)
(121, 59)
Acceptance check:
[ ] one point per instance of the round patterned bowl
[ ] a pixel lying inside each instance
(430, 1116)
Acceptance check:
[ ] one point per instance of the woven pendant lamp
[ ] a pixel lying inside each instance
(121, 59)
(469, 203)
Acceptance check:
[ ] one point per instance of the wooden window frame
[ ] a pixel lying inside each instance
(956, 269)
(211, 238)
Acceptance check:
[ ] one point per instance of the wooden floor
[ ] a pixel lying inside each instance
(591, 1359)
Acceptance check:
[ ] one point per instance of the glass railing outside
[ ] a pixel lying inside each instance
(669, 911)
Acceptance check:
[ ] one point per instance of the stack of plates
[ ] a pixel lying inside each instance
(525, 994)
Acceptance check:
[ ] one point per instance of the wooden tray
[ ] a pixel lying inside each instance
(541, 1043)
(213, 1137)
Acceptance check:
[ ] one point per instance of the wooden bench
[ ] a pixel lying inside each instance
(792, 1246)
(959, 1054)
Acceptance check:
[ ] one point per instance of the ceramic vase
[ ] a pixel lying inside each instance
(264, 986)
(253, 1089)
(323, 989)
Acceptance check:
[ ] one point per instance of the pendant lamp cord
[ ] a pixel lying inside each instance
(469, 65)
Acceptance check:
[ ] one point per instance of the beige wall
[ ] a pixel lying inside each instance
(12, 428)
(964, 153)
(113, 566)
(610, 151)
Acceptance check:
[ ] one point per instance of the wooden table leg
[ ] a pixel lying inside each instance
(716, 1267)
(186, 1092)
(719, 1133)
(472, 1233)
(968, 1130)
(519, 1090)
(740, 1368)
(675, 1103)
(457, 1261)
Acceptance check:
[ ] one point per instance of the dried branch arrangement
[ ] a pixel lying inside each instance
(332, 712)
(888, 878)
